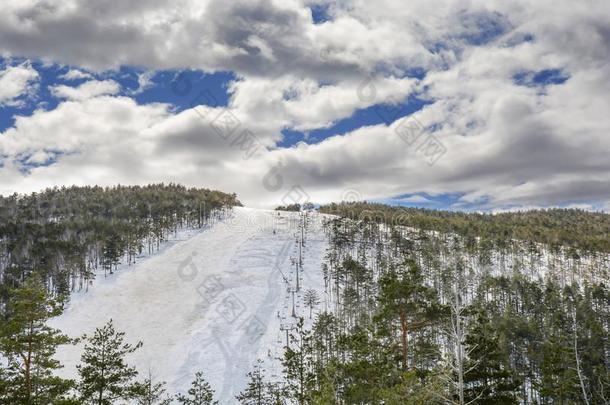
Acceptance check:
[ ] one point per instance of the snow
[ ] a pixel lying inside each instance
(213, 300)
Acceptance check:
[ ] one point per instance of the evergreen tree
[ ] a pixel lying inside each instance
(200, 393)
(559, 376)
(104, 375)
(364, 366)
(29, 344)
(149, 392)
(296, 363)
(311, 299)
(5, 384)
(595, 351)
(405, 298)
(413, 390)
(255, 392)
(327, 392)
(488, 379)
(277, 393)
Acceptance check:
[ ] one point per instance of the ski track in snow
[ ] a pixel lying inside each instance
(213, 302)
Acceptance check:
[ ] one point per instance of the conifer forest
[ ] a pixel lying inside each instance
(415, 306)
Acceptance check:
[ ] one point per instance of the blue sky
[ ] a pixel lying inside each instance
(175, 87)
(378, 114)
(471, 108)
(42, 99)
(181, 88)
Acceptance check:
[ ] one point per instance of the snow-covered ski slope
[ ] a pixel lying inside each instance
(213, 301)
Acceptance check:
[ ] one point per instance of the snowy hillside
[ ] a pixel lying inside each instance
(211, 300)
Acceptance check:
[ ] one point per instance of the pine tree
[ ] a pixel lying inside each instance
(111, 252)
(5, 384)
(254, 393)
(559, 377)
(311, 299)
(595, 345)
(327, 392)
(200, 393)
(296, 363)
(104, 375)
(413, 390)
(149, 392)
(277, 393)
(488, 379)
(29, 344)
(405, 298)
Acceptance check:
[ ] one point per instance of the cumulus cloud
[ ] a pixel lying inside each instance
(505, 141)
(17, 82)
(261, 37)
(89, 89)
(75, 74)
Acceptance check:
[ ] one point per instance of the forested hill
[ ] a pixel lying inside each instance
(572, 228)
(452, 308)
(432, 308)
(65, 234)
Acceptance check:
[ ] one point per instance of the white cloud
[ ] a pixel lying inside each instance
(17, 81)
(262, 37)
(506, 144)
(144, 82)
(89, 89)
(75, 74)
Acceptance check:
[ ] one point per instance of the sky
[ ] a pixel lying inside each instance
(472, 105)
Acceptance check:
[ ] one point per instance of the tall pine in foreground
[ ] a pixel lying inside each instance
(488, 379)
(104, 375)
(405, 299)
(28, 345)
(200, 393)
